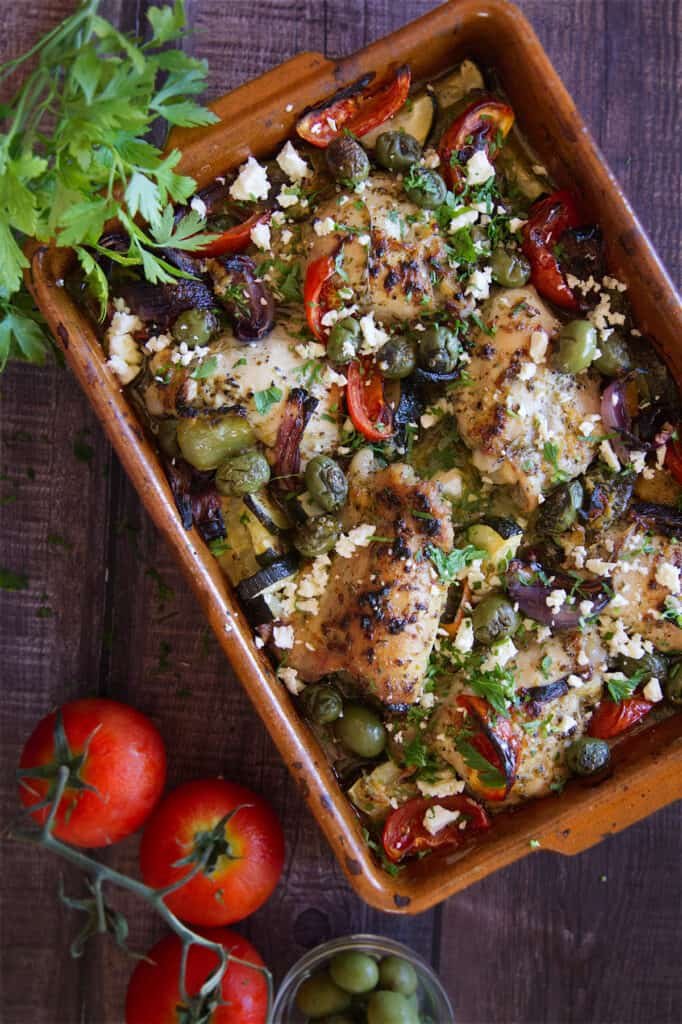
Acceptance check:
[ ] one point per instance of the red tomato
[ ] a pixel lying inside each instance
(317, 276)
(612, 718)
(483, 125)
(496, 741)
(117, 770)
(154, 991)
(370, 413)
(355, 109)
(404, 832)
(548, 220)
(235, 239)
(673, 455)
(245, 853)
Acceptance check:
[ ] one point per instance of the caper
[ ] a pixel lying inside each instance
(360, 730)
(397, 151)
(439, 350)
(390, 1008)
(494, 619)
(614, 355)
(397, 358)
(167, 436)
(559, 510)
(673, 685)
(577, 346)
(243, 474)
(344, 341)
(588, 755)
(319, 996)
(424, 187)
(206, 442)
(511, 269)
(652, 665)
(317, 536)
(326, 482)
(347, 160)
(322, 703)
(398, 975)
(354, 971)
(195, 327)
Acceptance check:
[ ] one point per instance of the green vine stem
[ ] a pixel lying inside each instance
(101, 874)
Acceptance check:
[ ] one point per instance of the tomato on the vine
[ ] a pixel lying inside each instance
(154, 994)
(229, 836)
(116, 766)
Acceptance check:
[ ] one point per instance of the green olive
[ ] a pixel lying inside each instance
(389, 1008)
(360, 730)
(347, 160)
(397, 151)
(511, 269)
(317, 536)
(673, 685)
(195, 327)
(425, 188)
(326, 482)
(398, 975)
(559, 511)
(494, 619)
(577, 346)
(397, 358)
(354, 971)
(588, 755)
(614, 355)
(206, 442)
(318, 996)
(653, 664)
(243, 474)
(167, 436)
(439, 350)
(322, 703)
(344, 341)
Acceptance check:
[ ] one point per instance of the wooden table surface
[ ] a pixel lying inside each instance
(594, 938)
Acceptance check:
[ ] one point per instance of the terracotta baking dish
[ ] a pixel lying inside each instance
(254, 119)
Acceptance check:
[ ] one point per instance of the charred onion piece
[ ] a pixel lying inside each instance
(196, 499)
(536, 696)
(249, 303)
(297, 412)
(524, 582)
(615, 416)
(162, 304)
(496, 742)
(665, 519)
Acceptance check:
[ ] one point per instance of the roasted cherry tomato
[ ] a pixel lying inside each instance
(483, 125)
(405, 833)
(673, 455)
(317, 280)
(496, 741)
(154, 995)
(370, 413)
(356, 109)
(548, 220)
(117, 770)
(235, 239)
(613, 717)
(233, 836)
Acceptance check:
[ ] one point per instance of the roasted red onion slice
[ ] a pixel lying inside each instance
(196, 499)
(497, 742)
(616, 417)
(297, 412)
(162, 304)
(536, 696)
(248, 302)
(525, 585)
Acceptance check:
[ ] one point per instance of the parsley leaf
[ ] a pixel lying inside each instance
(205, 368)
(264, 400)
(490, 776)
(496, 685)
(551, 453)
(449, 565)
(622, 689)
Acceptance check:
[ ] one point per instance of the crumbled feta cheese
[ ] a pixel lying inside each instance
(288, 196)
(539, 169)
(499, 655)
(283, 637)
(289, 677)
(292, 163)
(125, 357)
(607, 454)
(478, 285)
(444, 784)
(586, 607)
(614, 284)
(260, 236)
(629, 646)
(278, 218)
(157, 343)
(652, 691)
(286, 236)
(259, 642)
(599, 567)
(310, 350)
(323, 227)
(575, 681)
(251, 182)
(565, 724)
(539, 340)
(527, 371)
(289, 107)
(364, 240)
(450, 482)
(479, 168)
(430, 159)
(199, 206)
(464, 637)
(668, 575)
(359, 537)
(373, 336)
(556, 599)
(579, 554)
(463, 219)
(437, 818)
(515, 224)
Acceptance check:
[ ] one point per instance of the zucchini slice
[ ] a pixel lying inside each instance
(267, 512)
(267, 578)
(415, 118)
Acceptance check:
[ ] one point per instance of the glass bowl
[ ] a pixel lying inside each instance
(433, 1000)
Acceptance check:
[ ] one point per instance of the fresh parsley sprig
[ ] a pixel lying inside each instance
(449, 565)
(75, 153)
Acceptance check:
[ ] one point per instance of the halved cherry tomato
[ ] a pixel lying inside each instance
(673, 455)
(548, 220)
(235, 239)
(117, 770)
(479, 127)
(495, 740)
(370, 413)
(154, 995)
(317, 277)
(356, 109)
(613, 717)
(404, 831)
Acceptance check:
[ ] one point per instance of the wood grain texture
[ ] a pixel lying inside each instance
(546, 940)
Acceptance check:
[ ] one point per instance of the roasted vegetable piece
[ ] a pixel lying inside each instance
(246, 298)
(607, 499)
(322, 703)
(525, 586)
(493, 619)
(326, 482)
(577, 346)
(559, 510)
(588, 755)
(237, 238)
(367, 408)
(243, 474)
(297, 412)
(482, 126)
(360, 730)
(510, 268)
(317, 280)
(397, 151)
(206, 442)
(652, 664)
(405, 833)
(549, 219)
(613, 718)
(317, 536)
(357, 109)
(495, 741)
(673, 455)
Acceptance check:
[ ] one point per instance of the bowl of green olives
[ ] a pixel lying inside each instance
(362, 979)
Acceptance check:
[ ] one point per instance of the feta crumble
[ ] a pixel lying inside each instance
(359, 537)
(668, 576)
(539, 340)
(199, 206)
(251, 182)
(437, 818)
(478, 285)
(652, 691)
(607, 454)
(324, 227)
(260, 236)
(479, 168)
(283, 637)
(464, 637)
(290, 678)
(292, 163)
(373, 336)
(443, 785)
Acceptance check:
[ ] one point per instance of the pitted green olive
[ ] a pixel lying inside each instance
(206, 441)
(344, 341)
(317, 536)
(361, 731)
(243, 474)
(614, 355)
(195, 327)
(354, 971)
(652, 664)
(424, 187)
(318, 996)
(511, 269)
(577, 346)
(397, 358)
(398, 975)
(588, 755)
(390, 1008)
(494, 619)
(326, 482)
(439, 350)
(322, 703)
(397, 151)
(347, 160)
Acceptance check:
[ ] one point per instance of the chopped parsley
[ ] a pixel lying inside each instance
(490, 776)
(449, 565)
(622, 689)
(496, 685)
(551, 453)
(205, 368)
(264, 400)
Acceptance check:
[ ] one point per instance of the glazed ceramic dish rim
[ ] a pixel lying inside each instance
(645, 776)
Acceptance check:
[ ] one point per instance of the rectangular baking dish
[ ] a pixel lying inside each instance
(255, 118)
